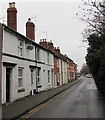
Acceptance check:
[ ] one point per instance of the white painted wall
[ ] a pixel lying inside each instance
(63, 72)
(10, 46)
(44, 69)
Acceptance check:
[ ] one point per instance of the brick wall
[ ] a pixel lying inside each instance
(12, 16)
(30, 30)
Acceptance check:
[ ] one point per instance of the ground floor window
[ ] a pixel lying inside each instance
(32, 76)
(20, 77)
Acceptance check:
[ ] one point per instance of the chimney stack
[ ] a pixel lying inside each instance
(57, 50)
(50, 46)
(30, 29)
(43, 43)
(12, 16)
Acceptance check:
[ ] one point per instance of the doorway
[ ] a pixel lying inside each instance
(8, 79)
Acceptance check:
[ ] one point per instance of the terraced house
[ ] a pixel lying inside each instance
(27, 67)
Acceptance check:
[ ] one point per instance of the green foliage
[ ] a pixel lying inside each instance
(96, 59)
(84, 70)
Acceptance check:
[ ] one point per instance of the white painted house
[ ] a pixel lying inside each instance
(27, 67)
(63, 70)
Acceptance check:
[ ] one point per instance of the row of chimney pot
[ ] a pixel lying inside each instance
(49, 45)
(30, 28)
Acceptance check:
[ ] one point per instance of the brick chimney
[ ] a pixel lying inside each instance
(12, 16)
(50, 46)
(57, 50)
(30, 29)
(43, 43)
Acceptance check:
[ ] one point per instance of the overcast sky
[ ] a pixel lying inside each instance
(56, 21)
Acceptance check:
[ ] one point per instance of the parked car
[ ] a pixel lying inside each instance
(78, 75)
(89, 75)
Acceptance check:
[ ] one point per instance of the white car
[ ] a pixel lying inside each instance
(89, 75)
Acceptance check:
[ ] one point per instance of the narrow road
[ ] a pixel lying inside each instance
(80, 101)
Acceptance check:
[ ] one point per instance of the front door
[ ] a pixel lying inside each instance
(8, 78)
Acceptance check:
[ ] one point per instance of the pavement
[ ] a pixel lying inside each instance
(18, 108)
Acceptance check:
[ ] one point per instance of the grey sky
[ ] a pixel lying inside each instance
(57, 20)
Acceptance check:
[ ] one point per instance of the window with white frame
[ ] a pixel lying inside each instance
(38, 76)
(48, 76)
(20, 77)
(20, 47)
(32, 76)
(48, 58)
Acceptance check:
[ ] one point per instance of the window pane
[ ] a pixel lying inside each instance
(20, 77)
(20, 82)
(20, 45)
(20, 51)
(20, 73)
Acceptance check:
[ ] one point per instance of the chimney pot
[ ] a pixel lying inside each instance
(43, 43)
(13, 4)
(58, 48)
(29, 19)
(10, 5)
(50, 41)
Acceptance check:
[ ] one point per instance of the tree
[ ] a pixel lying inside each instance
(84, 70)
(96, 59)
(94, 16)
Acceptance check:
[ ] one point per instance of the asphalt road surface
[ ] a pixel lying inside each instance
(80, 101)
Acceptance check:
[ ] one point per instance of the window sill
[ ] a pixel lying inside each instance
(39, 86)
(21, 89)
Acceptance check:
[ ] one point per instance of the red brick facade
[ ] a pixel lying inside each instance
(56, 70)
(71, 68)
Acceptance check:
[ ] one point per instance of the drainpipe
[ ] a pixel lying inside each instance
(36, 71)
(1, 40)
(36, 81)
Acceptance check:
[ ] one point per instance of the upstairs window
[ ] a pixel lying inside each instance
(37, 53)
(20, 47)
(57, 63)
